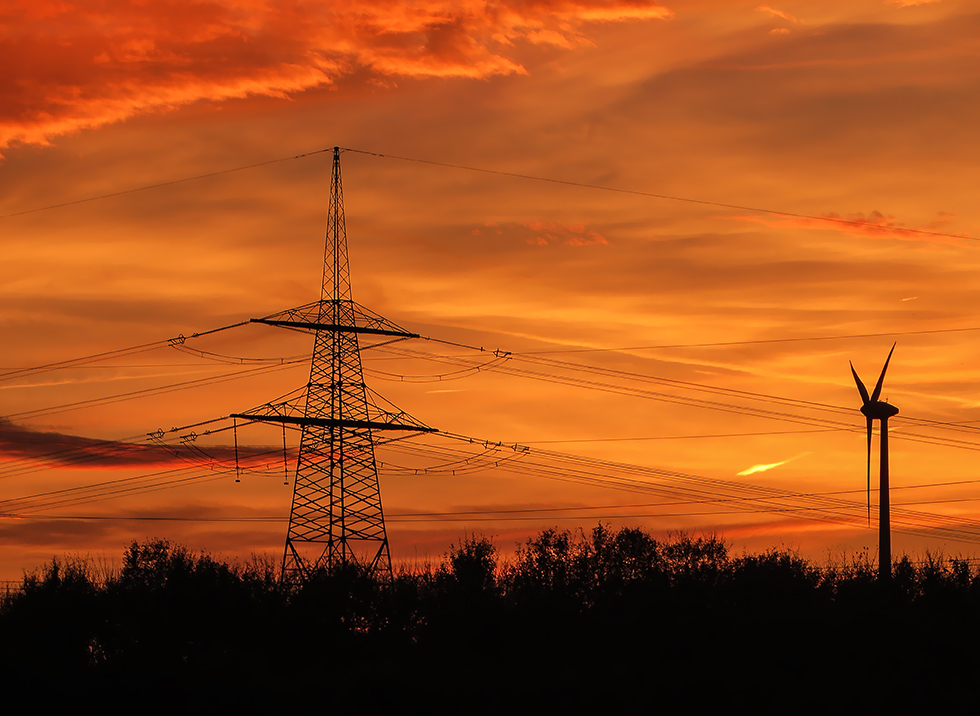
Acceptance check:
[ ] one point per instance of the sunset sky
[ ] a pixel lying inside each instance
(862, 110)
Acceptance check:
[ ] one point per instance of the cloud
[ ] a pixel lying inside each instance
(566, 234)
(760, 468)
(874, 225)
(544, 233)
(768, 466)
(65, 67)
(59, 450)
(777, 13)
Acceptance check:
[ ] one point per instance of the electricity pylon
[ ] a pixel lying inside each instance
(875, 409)
(336, 516)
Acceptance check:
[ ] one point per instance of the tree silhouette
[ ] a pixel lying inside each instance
(609, 619)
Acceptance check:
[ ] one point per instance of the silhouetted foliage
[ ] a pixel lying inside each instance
(471, 568)
(610, 619)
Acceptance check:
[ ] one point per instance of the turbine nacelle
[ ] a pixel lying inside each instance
(879, 410)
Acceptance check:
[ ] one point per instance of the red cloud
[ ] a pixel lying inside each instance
(875, 225)
(60, 450)
(567, 234)
(545, 233)
(66, 66)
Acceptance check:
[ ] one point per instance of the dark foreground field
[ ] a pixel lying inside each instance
(607, 622)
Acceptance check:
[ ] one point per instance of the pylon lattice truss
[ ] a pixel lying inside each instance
(336, 516)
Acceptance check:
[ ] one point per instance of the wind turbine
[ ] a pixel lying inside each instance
(875, 409)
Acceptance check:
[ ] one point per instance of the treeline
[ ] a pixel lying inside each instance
(605, 620)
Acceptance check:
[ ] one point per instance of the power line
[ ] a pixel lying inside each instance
(630, 375)
(749, 498)
(582, 185)
(436, 377)
(237, 360)
(762, 397)
(83, 453)
(486, 515)
(727, 407)
(163, 184)
(692, 488)
(117, 353)
(642, 377)
(145, 518)
(679, 437)
(77, 362)
(753, 342)
(702, 202)
(198, 472)
(170, 388)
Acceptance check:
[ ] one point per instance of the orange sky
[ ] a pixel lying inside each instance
(860, 110)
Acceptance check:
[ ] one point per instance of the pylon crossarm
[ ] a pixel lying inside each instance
(334, 422)
(335, 328)
(355, 318)
(396, 415)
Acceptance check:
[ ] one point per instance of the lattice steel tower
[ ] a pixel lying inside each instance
(336, 516)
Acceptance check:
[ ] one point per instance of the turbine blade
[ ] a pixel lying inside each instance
(881, 378)
(861, 389)
(869, 470)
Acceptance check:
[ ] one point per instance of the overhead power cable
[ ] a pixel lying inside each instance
(963, 426)
(424, 517)
(160, 185)
(88, 453)
(703, 202)
(761, 341)
(457, 459)
(703, 387)
(869, 225)
(18, 372)
(726, 407)
(533, 358)
(147, 518)
(169, 388)
(118, 353)
(198, 472)
(680, 437)
(238, 360)
(681, 486)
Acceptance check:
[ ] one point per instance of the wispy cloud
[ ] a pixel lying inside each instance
(764, 467)
(874, 225)
(777, 13)
(60, 450)
(545, 233)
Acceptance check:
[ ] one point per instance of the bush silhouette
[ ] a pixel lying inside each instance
(472, 566)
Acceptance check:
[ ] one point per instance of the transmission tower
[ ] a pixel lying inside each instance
(336, 516)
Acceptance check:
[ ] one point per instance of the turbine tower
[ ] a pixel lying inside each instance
(336, 516)
(875, 409)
